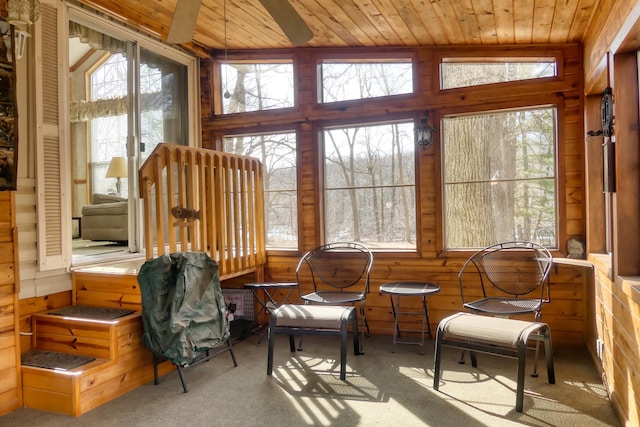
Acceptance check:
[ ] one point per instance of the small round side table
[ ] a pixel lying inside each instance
(268, 302)
(409, 289)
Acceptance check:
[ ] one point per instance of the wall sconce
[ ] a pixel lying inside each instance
(22, 13)
(20, 40)
(424, 132)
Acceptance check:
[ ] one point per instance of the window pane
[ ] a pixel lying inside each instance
(500, 178)
(344, 81)
(277, 152)
(458, 73)
(109, 129)
(370, 185)
(107, 141)
(255, 87)
(109, 80)
(163, 104)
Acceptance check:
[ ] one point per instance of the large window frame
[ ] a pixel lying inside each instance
(497, 56)
(248, 95)
(350, 69)
(496, 70)
(379, 205)
(553, 240)
(312, 116)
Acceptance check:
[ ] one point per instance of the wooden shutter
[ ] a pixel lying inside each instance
(50, 145)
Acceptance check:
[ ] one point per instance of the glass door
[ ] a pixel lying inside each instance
(99, 112)
(125, 100)
(163, 102)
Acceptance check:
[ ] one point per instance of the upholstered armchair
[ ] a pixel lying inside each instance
(105, 219)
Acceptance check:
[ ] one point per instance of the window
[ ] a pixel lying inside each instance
(277, 152)
(463, 72)
(108, 132)
(500, 178)
(163, 101)
(342, 81)
(255, 87)
(369, 185)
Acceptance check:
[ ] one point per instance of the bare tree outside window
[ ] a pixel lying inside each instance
(369, 169)
(345, 81)
(370, 185)
(277, 152)
(499, 168)
(500, 178)
(263, 86)
(256, 86)
(462, 72)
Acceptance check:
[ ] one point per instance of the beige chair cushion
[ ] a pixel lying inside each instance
(487, 329)
(99, 199)
(313, 316)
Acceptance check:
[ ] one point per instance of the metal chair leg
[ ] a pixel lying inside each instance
(436, 364)
(270, 351)
(184, 385)
(233, 355)
(535, 360)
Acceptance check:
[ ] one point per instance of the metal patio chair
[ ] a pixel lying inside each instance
(507, 279)
(339, 273)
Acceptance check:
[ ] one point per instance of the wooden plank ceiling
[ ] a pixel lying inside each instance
(367, 23)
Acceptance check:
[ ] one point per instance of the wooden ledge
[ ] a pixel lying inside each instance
(573, 261)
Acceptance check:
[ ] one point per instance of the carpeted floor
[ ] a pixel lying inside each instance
(382, 389)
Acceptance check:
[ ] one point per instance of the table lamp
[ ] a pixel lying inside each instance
(117, 169)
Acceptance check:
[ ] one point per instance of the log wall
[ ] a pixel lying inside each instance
(10, 383)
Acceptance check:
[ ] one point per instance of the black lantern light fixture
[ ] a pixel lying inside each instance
(424, 132)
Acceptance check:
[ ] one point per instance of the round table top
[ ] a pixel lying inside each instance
(409, 288)
(271, 285)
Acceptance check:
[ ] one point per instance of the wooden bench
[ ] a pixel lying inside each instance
(495, 335)
(292, 319)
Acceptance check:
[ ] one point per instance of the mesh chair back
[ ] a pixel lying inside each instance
(338, 265)
(513, 268)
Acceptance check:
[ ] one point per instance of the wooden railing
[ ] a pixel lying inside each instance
(204, 200)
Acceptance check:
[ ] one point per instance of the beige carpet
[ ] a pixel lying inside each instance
(382, 389)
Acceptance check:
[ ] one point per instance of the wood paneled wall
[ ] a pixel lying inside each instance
(10, 383)
(614, 28)
(566, 314)
(617, 318)
(614, 335)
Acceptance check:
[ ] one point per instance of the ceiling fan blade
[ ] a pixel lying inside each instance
(289, 21)
(184, 20)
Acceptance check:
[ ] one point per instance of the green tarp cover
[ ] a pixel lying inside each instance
(183, 309)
